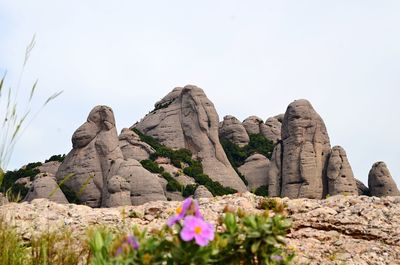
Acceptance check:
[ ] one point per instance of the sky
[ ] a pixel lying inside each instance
(250, 57)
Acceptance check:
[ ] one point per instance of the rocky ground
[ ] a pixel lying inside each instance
(338, 230)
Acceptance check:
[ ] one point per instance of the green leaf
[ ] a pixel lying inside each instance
(98, 241)
(255, 246)
(230, 222)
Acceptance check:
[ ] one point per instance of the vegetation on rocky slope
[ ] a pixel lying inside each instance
(181, 158)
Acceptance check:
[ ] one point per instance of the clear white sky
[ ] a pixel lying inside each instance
(250, 57)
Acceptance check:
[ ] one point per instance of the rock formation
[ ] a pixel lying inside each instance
(202, 192)
(362, 189)
(186, 118)
(340, 175)
(253, 124)
(304, 151)
(3, 199)
(96, 158)
(255, 171)
(274, 171)
(380, 182)
(132, 147)
(45, 186)
(272, 128)
(49, 167)
(233, 130)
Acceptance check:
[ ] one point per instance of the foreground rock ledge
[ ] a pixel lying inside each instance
(338, 230)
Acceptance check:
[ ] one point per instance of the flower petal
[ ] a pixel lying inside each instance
(200, 240)
(187, 234)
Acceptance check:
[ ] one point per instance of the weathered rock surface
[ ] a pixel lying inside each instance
(118, 192)
(3, 199)
(253, 124)
(45, 186)
(96, 158)
(233, 130)
(339, 230)
(144, 185)
(305, 149)
(362, 189)
(186, 118)
(49, 167)
(272, 129)
(274, 172)
(340, 175)
(255, 170)
(132, 147)
(380, 182)
(202, 192)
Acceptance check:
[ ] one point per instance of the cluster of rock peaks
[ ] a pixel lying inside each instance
(103, 168)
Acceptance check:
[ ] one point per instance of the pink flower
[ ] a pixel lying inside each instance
(199, 230)
(189, 207)
(130, 242)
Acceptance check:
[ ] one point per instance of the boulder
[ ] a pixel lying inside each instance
(233, 130)
(118, 192)
(253, 124)
(272, 129)
(186, 118)
(49, 167)
(255, 171)
(45, 186)
(202, 192)
(340, 175)
(305, 150)
(132, 147)
(97, 161)
(144, 186)
(362, 189)
(3, 199)
(380, 182)
(95, 144)
(274, 172)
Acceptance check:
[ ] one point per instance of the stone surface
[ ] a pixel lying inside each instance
(362, 189)
(305, 150)
(45, 186)
(202, 192)
(118, 192)
(233, 130)
(96, 158)
(186, 118)
(132, 147)
(255, 171)
(340, 230)
(3, 199)
(253, 124)
(144, 185)
(380, 182)
(49, 167)
(274, 171)
(340, 175)
(272, 129)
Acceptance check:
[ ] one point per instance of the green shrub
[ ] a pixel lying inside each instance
(177, 157)
(237, 155)
(11, 176)
(259, 144)
(58, 158)
(262, 191)
(189, 190)
(173, 184)
(245, 239)
(152, 166)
